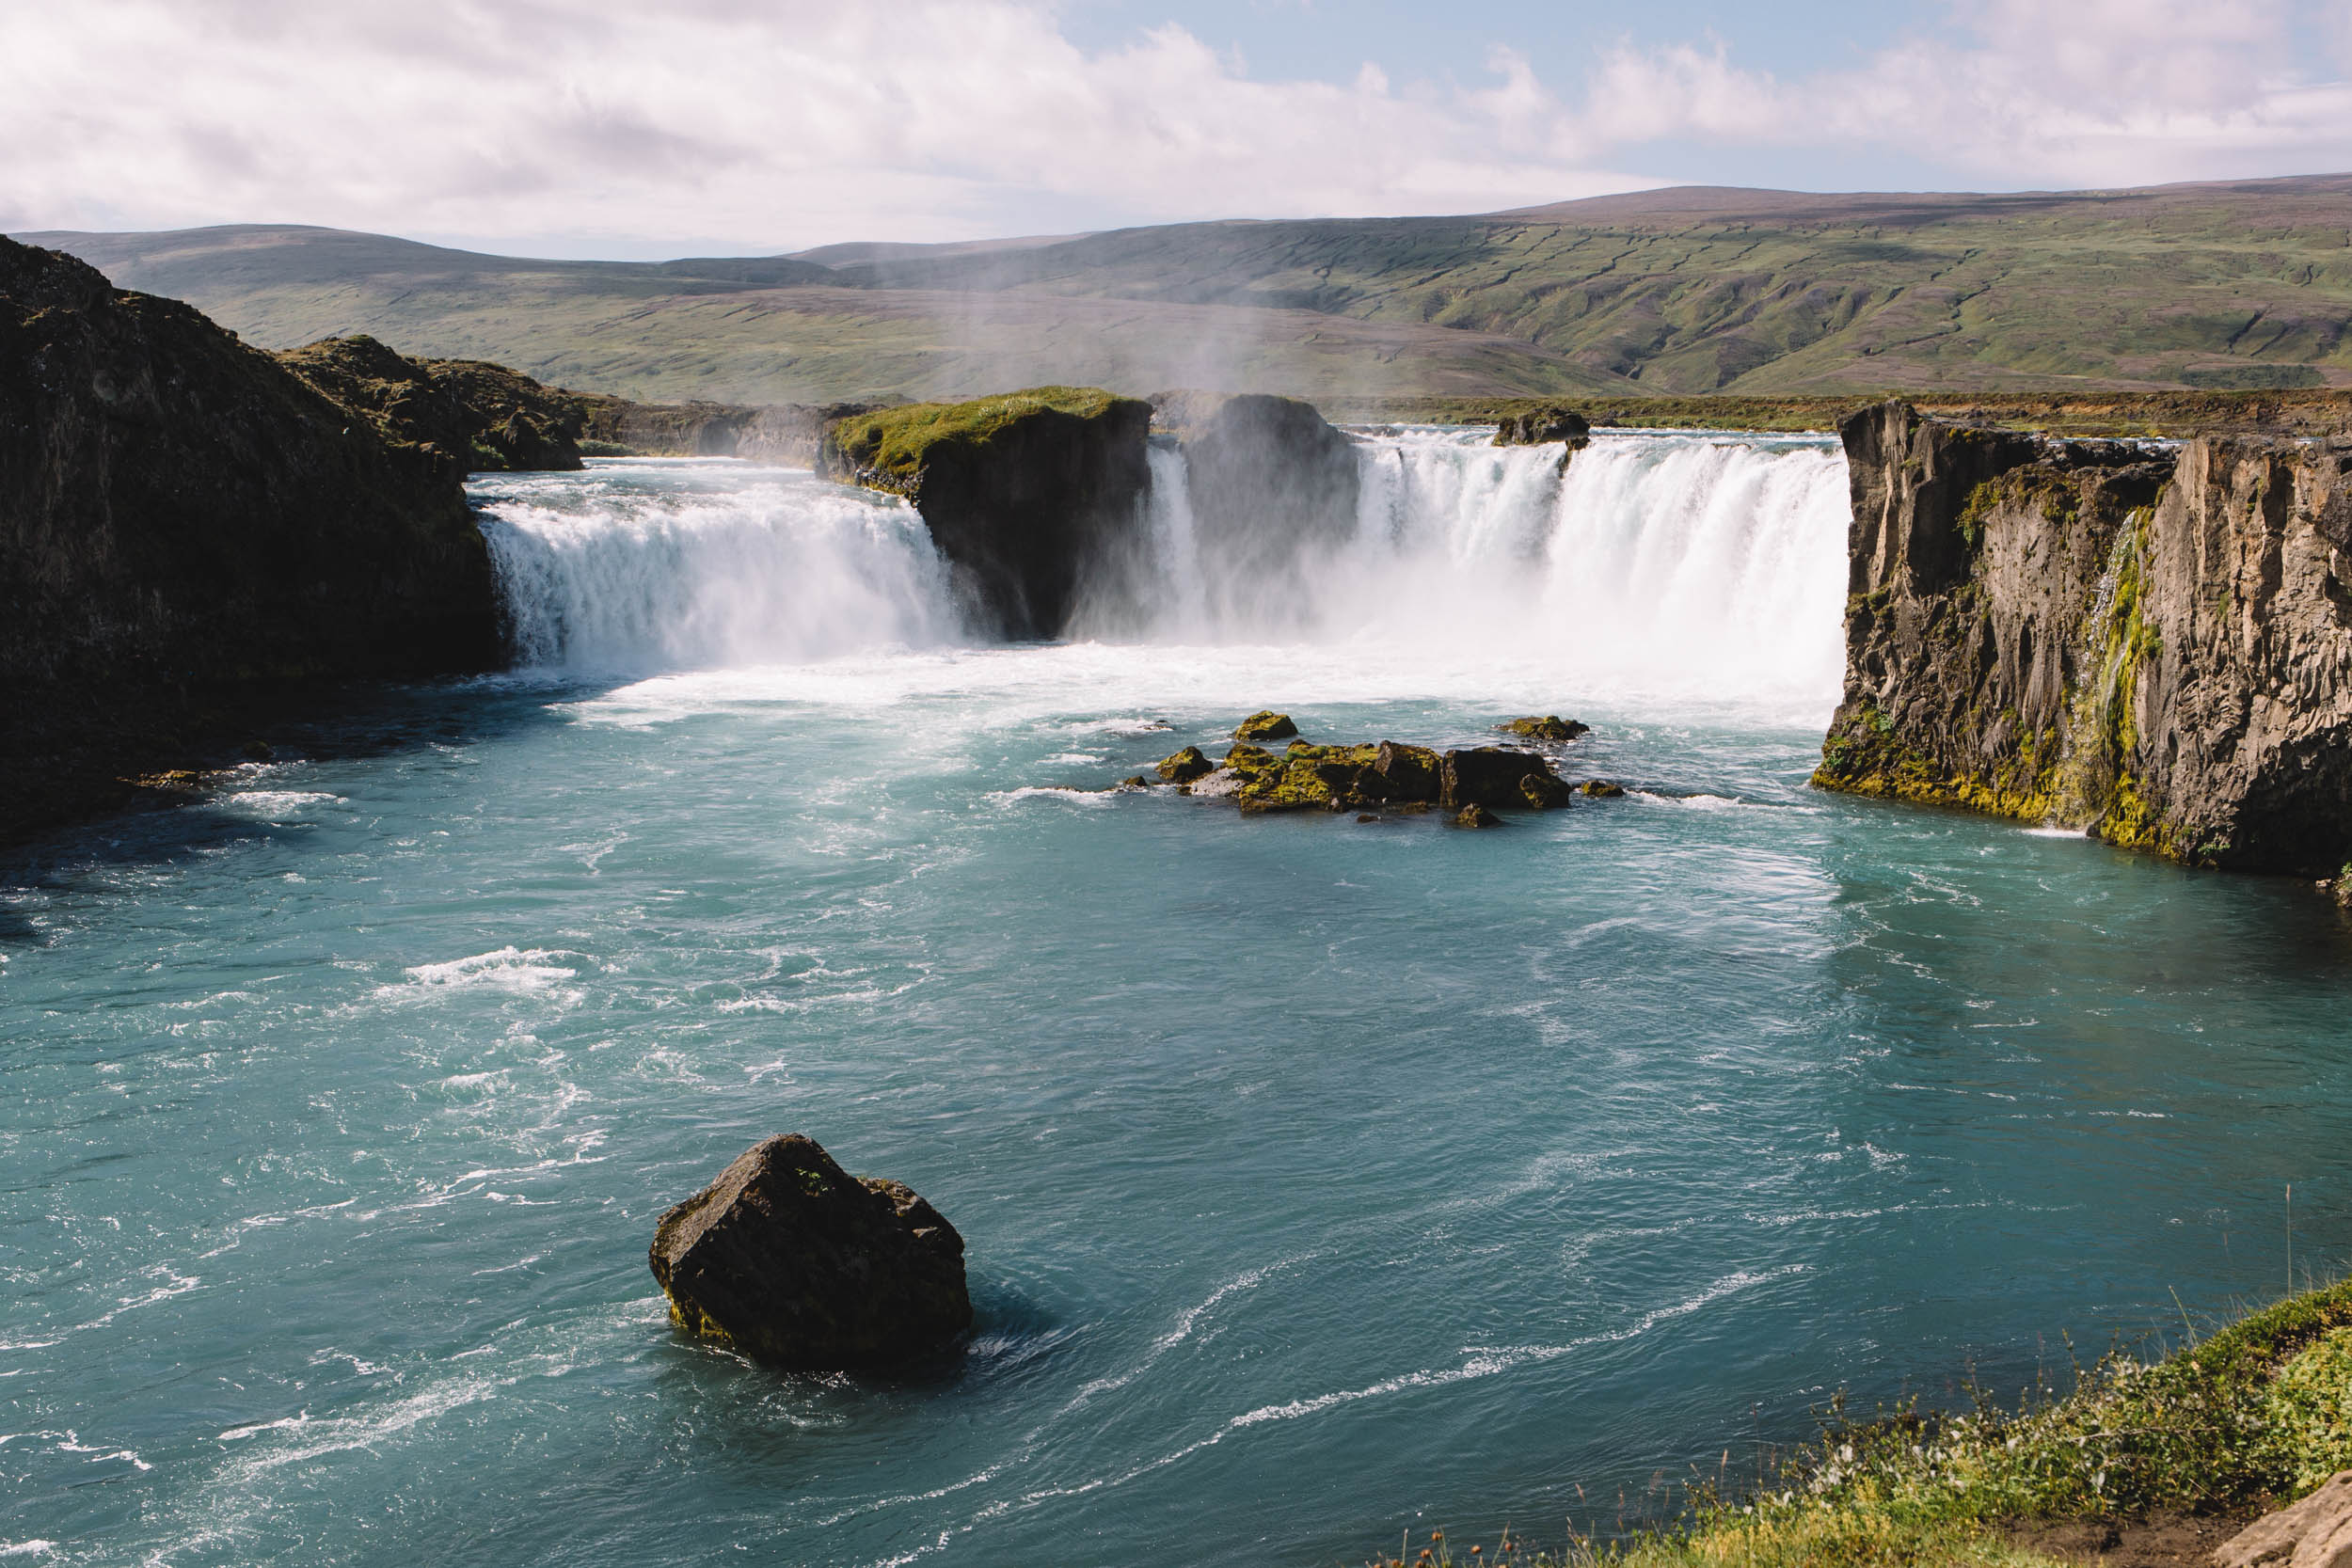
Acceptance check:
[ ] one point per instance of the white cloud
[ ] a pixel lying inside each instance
(790, 123)
(787, 124)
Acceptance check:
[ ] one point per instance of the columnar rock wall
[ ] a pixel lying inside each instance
(2152, 644)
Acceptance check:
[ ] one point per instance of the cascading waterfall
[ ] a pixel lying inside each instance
(651, 565)
(1704, 565)
(1692, 563)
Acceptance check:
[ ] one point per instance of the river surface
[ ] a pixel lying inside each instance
(1321, 1180)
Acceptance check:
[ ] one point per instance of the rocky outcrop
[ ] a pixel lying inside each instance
(1549, 727)
(480, 415)
(184, 519)
(1025, 495)
(1500, 776)
(791, 1260)
(1265, 724)
(1541, 426)
(2154, 646)
(1185, 766)
(1391, 775)
(1270, 481)
(2315, 1533)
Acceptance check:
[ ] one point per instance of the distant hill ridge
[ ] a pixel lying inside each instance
(1694, 290)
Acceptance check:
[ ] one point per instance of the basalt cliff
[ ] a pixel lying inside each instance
(183, 520)
(2151, 642)
(1037, 497)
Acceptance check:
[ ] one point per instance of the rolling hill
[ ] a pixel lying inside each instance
(1691, 290)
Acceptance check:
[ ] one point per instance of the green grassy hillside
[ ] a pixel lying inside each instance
(1694, 291)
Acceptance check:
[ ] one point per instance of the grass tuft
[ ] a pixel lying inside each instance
(2257, 1415)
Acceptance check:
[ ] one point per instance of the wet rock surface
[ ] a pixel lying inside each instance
(1026, 495)
(1265, 724)
(2152, 644)
(187, 527)
(1549, 726)
(791, 1260)
(1390, 776)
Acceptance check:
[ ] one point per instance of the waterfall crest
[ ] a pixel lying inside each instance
(1695, 565)
(633, 567)
(1701, 563)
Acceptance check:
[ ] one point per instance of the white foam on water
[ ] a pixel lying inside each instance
(508, 969)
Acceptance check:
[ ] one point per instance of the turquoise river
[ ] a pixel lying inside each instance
(1323, 1179)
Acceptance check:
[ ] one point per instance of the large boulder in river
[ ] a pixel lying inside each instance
(793, 1261)
(1265, 724)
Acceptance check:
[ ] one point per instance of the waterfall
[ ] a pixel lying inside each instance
(639, 566)
(1706, 565)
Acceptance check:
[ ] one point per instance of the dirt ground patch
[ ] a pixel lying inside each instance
(2159, 1541)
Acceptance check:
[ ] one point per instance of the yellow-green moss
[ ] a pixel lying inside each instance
(888, 448)
(2250, 1419)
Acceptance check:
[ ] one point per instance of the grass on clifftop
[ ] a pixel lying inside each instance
(2257, 1415)
(888, 447)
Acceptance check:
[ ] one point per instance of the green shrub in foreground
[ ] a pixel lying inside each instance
(2256, 1415)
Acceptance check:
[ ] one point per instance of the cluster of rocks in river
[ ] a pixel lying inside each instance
(1381, 776)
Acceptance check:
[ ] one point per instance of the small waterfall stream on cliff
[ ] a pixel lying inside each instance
(1320, 1177)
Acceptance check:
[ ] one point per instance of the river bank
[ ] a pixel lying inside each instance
(2142, 1462)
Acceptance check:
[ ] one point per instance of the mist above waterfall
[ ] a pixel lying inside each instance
(1667, 562)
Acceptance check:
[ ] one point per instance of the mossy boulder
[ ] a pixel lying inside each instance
(1185, 766)
(1265, 724)
(1476, 815)
(791, 1260)
(1549, 726)
(1544, 793)
(1402, 773)
(1494, 776)
(1025, 494)
(1601, 787)
(1242, 757)
(1300, 783)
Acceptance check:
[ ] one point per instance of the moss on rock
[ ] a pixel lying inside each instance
(1265, 724)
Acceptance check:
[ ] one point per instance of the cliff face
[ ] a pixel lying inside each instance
(479, 416)
(1022, 494)
(181, 515)
(2152, 644)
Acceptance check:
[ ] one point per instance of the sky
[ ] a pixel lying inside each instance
(630, 129)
